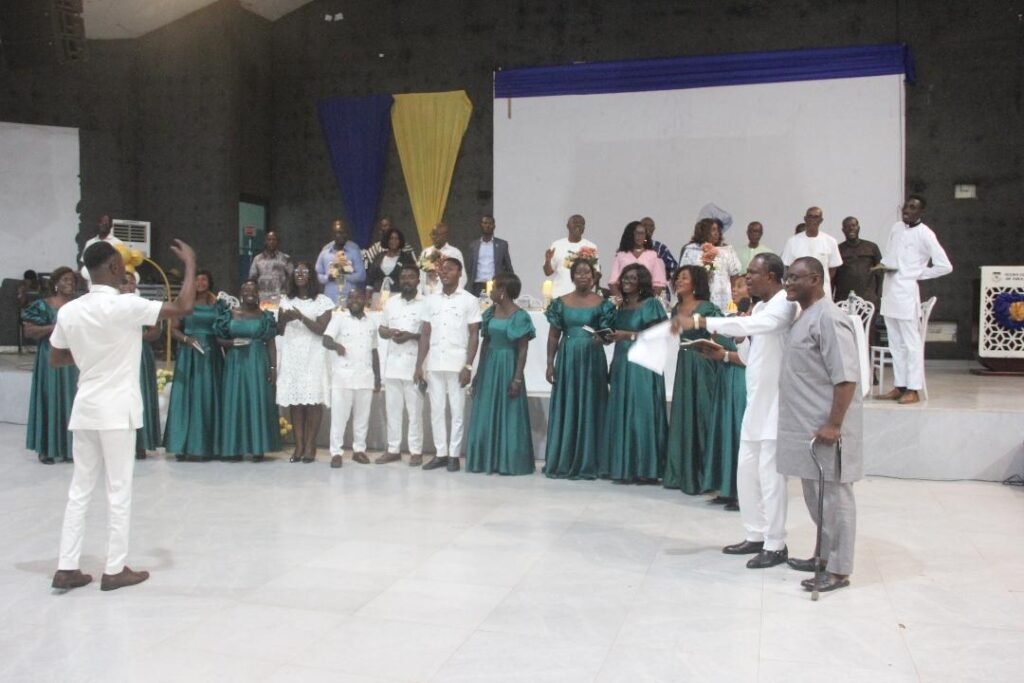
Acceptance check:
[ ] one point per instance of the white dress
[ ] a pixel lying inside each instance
(727, 266)
(302, 372)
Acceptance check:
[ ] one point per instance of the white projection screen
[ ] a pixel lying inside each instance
(39, 194)
(762, 152)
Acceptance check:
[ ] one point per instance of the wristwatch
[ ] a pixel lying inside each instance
(467, 366)
(726, 359)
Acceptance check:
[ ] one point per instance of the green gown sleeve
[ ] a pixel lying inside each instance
(554, 314)
(521, 325)
(38, 313)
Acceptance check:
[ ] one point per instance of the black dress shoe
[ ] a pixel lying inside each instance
(768, 558)
(826, 583)
(453, 464)
(732, 506)
(45, 459)
(805, 565)
(717, 500)
(744, 548)
(435, 462)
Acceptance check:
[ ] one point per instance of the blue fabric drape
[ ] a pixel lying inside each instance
(679, 73)
(357, 131)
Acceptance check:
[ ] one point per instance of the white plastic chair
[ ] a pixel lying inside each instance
(882, 356)
(862, 308)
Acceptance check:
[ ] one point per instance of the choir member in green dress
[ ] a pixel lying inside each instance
(693, 390)
(53, 389)
(147, 437)
(249, 420)
(578, 372)
(721, 455)
(636, 423)
(193, 411)
(499, 430)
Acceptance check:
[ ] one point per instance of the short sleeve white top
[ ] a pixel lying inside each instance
(561, 279)
(102, 329)
(450, 316)
(399, 360)
(822, 247)
(354, 370)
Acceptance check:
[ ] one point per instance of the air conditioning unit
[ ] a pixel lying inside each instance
(135, 234)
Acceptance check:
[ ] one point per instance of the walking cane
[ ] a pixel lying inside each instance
(821, 507)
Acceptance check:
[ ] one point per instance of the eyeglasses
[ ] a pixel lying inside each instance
(790, 278)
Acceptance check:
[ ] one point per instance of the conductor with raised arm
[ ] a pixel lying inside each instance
(100, 332)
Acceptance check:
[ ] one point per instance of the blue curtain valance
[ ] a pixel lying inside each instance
(678, 73)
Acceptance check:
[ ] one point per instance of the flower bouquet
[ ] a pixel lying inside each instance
(430, 260)
(587, 254)
(709, 253)
(340, 267)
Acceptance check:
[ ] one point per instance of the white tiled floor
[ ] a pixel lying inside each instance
(282, 572)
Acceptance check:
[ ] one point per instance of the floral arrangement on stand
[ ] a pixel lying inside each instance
(709, 253)
(285, 426)
(163, 378)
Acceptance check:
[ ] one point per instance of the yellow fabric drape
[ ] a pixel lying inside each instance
(428, 131)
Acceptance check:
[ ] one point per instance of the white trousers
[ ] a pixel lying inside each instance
(113, 451)
(399, 394)
(346, 402)
(907, 352)
(441, 386)
(761, 491)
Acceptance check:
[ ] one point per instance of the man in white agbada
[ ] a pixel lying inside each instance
(911, 245)
(100, 332)
(760, 487)
(818, 399)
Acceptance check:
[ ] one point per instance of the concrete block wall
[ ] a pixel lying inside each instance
(177, 124)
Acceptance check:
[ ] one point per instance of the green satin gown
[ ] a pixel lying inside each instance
(579, 396)
(147, 437)
(693, 394)
(636, 423)
(52, 395)
(500, 440)
(249, 413)
(194, 409)
(723, 444)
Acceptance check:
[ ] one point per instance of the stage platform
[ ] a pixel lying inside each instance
(971, 427)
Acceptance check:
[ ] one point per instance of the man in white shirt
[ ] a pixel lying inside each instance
(910, 247)
(103, 234)
(400, 328)
(430, 283)
(760, 487)
(559, 256)
(448, 342)
(100, 332)
(812, 242)
(355, 375)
